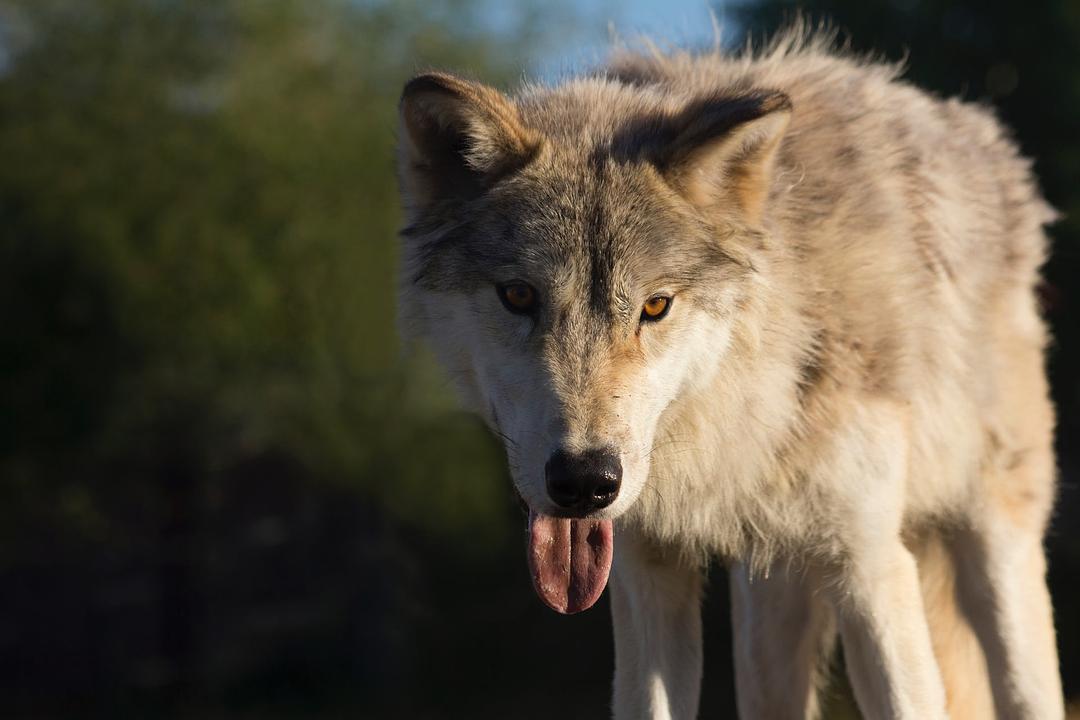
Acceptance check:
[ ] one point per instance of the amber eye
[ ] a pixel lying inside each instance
(655, 308)
(518, 297)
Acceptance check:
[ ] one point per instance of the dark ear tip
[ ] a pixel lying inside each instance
(431, 82)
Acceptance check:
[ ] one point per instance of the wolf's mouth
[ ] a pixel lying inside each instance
(569, 560)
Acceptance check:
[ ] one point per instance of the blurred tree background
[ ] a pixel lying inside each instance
(224, 490)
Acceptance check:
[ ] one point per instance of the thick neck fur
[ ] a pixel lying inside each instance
(721, 446)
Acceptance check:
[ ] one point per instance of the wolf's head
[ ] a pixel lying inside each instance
(577, 258)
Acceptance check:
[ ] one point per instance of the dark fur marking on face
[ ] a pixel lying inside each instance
(599, 242)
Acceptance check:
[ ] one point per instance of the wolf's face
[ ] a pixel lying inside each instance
(575, 309)
(576, 275)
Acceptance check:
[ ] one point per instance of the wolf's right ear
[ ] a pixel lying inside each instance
(456, 137)
(723, 149)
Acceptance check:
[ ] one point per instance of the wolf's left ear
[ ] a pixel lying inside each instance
(723, 149)
(456, 137)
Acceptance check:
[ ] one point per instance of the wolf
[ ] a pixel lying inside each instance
(775, 306)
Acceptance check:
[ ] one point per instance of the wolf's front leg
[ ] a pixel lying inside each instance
(871, 577)
(656, 611)
(784, 633)
(887, 649)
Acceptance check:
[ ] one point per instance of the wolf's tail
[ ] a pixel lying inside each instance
(957, 648)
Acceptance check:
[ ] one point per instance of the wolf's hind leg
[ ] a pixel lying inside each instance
(957, 647)
(1005, 591)
(784, 634)
(656, 611)
(1004, 581)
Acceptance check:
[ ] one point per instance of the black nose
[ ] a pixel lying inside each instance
(584, 482)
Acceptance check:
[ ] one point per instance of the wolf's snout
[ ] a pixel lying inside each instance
(585, 481)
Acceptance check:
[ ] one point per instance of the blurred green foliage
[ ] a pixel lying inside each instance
(197, 233)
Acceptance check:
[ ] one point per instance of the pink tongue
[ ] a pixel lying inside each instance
(569, 560)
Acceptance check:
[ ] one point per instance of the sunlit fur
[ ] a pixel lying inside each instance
(846, 400)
